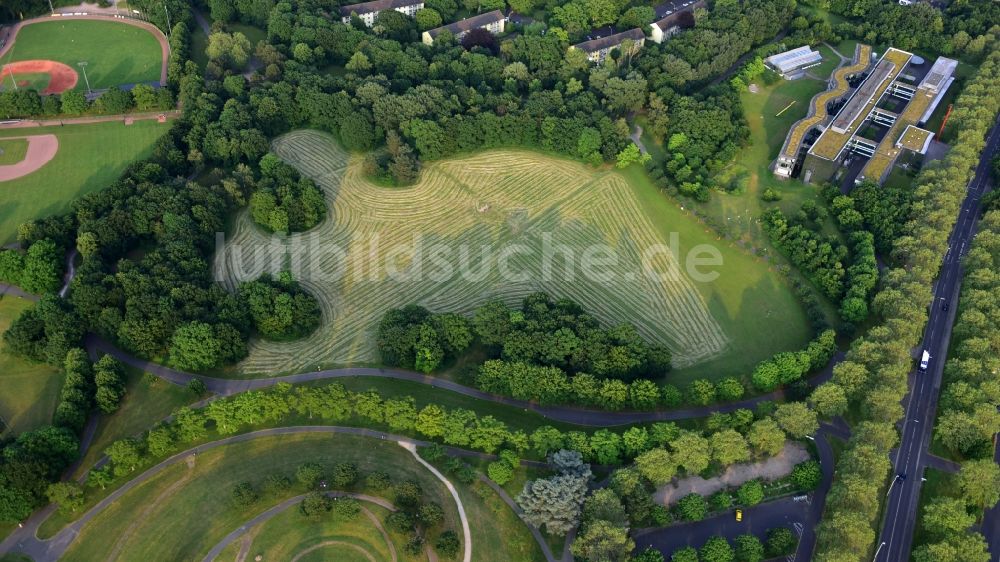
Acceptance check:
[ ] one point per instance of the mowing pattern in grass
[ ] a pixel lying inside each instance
(90, 157)
(30, 390)
(155, 521)
(290, 536)
(12, 151)
(514, 203)
(115, 53)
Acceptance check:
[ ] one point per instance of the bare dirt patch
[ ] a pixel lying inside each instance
(41, 149)
(61, 77)
(769, 469)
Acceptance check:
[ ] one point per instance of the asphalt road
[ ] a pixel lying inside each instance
(799, 516)
(910, 459)
(757, 521)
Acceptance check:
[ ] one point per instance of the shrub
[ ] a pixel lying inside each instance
(692, 507)
(750, 493)
(500, 472)
(448, 544)
(244, 494)
(780, 542)
(807, 475)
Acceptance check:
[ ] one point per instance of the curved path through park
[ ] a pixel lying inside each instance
(567, 414)
(26, 541)
(285, 505)
(10, 33)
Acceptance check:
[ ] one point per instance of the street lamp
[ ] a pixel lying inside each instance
(878, 550)
(83, 65)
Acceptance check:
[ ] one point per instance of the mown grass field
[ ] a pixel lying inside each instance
(147, 400)
(90, 157)
(12, 151)
(30, 390)
(495, 219)
(115, 53)
(185, 510)
(289, 536)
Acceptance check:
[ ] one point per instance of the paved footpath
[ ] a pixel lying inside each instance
(26, 123)
(26, 541)
(567, 414)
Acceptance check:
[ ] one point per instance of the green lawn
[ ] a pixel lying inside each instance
(289, 534)
(30, 390)
(751, 300)
(182, 512)
(90, 157)
(252, 32)
(830, 62)
(147, 401)
(938, 484)
(767, 134)
(25, 80)
(12, 151)
(740, 313)
(505, 537)
(115, 53)
(770, 112)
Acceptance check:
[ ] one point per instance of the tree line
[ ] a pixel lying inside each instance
(960, 29)
(557, 334)
(878, 363)
(967, 415)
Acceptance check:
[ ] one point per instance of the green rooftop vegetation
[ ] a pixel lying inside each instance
(818, 113)
(887, 152)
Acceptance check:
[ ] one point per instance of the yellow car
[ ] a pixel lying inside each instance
(739, 515)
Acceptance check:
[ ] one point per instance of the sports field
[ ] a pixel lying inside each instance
(115, 53)
(485, 226)
(30, 390)
(155, 522)
(12, 151)
(90, 157)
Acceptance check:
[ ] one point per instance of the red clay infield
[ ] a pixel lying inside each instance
(41, 149)
(61, 76)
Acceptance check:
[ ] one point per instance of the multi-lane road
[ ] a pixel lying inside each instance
(910, 459)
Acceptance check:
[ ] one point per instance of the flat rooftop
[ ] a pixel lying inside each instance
(796, 58)
(937, 77)
(862, 102)
(914, 138)
(887, 151)
(817, 113)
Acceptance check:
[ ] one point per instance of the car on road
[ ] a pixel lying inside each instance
(925, 360)
(739, 515)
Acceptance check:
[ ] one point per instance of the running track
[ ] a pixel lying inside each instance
(10, 32)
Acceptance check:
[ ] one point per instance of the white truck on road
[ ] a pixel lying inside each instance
(925, 360)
